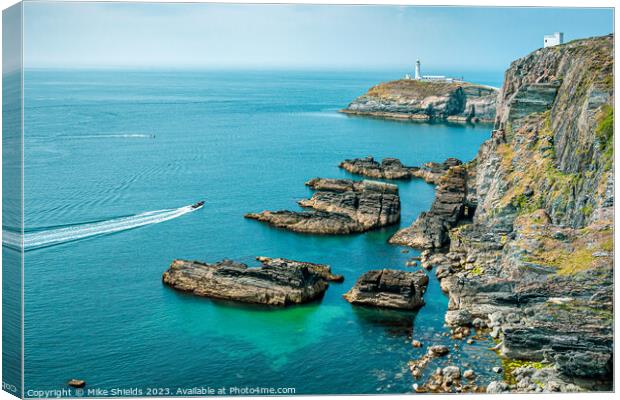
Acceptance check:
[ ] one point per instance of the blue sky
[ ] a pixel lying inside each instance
(196, 35)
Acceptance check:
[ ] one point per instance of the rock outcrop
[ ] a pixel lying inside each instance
(76, 383)
(535, 265)
(392, 168)
(388, 288)
(450, 206)
(389, 168)
(322, 270)
(340, 206)
(278, 282)
(427, 100)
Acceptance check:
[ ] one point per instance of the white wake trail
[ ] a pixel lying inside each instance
(111, 136)
(35, 240)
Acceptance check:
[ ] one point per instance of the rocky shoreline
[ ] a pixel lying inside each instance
(533, 266)
(520, 238)
(417, 100)
(449, 208)
(339, 207)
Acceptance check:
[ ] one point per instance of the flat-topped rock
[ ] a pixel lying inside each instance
(339, 206)
(389, 288)
(278, 282)
(392, 168)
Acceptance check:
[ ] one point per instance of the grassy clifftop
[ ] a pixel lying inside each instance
(425, 100)
(419, 89)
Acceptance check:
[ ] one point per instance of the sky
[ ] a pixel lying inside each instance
(198, 35)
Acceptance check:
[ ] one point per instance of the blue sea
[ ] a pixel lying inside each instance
(112, 160)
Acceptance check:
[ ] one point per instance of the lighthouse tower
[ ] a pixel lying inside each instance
(418, 75)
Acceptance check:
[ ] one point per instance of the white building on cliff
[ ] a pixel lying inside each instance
(437, 78)
(554, 39)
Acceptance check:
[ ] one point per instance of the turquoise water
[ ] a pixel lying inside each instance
(103, 146)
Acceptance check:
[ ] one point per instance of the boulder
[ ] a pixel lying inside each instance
(76, 383)
(458, 318)
(451, 372)
(496, 387)
(438, 350)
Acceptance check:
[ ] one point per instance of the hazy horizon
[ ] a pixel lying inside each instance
(207, 36)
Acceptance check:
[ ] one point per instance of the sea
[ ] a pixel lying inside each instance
(112, 161)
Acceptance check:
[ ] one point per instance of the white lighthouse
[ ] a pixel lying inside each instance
(418, 75)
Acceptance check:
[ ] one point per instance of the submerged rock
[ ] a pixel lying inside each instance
(340, 206)
(438, 350)
(277, 282)
(389, 289)
(469, 374)
(392, 168)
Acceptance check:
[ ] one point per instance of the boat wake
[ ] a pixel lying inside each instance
(52, 237)
(110, 136)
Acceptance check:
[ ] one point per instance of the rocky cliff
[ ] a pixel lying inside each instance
(427, 100)
(534, 267)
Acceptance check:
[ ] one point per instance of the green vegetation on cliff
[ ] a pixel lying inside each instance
(605, 135)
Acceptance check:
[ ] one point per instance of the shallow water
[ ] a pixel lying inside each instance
(107, 145)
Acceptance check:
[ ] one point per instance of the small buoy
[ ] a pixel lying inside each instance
(77, 383)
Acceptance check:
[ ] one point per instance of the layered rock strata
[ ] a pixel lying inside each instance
(278, 282)
(427, 100)
(389, 288)
(450, 206)
(339, 206)
(535, 266)
(392, 168)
